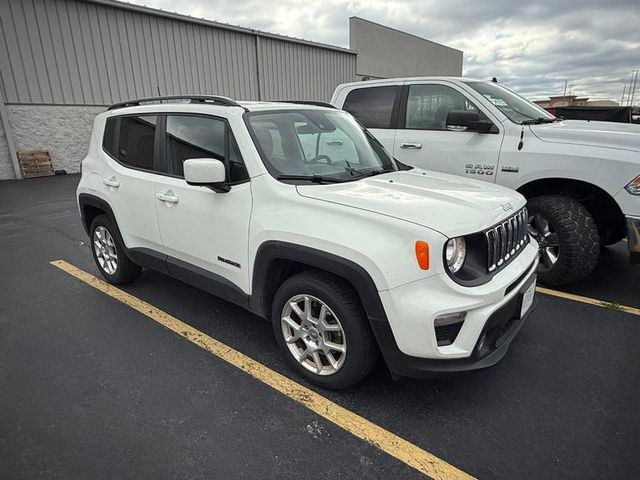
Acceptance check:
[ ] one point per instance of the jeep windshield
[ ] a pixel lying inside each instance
(516, 108)
(317, 146)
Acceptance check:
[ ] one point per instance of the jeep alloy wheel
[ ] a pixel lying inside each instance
(105, 250)
(313, 334)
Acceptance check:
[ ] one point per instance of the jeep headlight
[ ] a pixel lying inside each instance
(455, 253)
(634, 186)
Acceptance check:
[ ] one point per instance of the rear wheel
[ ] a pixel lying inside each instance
(567, 236)
(321, 328)
(109, 253)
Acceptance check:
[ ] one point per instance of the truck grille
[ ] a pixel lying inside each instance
(505, 240)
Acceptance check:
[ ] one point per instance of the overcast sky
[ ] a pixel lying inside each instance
(532, 46)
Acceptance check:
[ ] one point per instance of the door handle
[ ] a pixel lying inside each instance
(411, 145)
(334, 142)
(111, 182)
(168, 197)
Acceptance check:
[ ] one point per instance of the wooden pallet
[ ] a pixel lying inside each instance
(35, 163)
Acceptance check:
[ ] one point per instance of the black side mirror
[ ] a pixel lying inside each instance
(468, 121)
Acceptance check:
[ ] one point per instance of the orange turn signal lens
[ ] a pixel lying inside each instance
(422, 254)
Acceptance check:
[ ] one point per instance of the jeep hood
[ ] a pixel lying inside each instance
(625, 136)
(448, 204)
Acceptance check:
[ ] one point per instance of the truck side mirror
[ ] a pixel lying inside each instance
(468, 121)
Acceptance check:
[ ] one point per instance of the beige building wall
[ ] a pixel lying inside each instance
(384, 52)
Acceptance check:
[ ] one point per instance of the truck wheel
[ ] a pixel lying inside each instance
(108, 252)
(322, 330)
(567, 236)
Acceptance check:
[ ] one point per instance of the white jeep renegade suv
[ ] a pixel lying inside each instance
(296, 213)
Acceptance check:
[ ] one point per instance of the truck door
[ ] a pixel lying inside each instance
(423, 138)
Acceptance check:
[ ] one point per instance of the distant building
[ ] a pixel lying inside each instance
(385, 52)
(574, 101)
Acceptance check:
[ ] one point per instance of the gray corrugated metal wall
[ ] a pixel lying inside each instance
(297, 71)
(71, 52)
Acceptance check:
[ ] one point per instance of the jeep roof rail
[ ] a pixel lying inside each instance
(217, 99)
(308, 102)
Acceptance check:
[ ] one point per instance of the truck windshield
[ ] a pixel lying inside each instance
(516, 108)
(319, 146)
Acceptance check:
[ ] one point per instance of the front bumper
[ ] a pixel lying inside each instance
(407, 336)
(633, 239)
(499, 330)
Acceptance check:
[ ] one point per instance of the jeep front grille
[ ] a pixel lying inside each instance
(505, 240)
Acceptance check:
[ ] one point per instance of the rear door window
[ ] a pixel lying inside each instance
(374, 107)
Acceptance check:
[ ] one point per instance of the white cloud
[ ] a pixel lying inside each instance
(531, 46)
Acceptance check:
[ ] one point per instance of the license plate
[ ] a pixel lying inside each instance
(527, 299)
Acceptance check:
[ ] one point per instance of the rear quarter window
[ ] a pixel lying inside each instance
(136, 141)
(374, 107)
(108, 140)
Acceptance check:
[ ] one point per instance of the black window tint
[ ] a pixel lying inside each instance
(373, 107)
(109, 137)
(189, 136)
(136, 141)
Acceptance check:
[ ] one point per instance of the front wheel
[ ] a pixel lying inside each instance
(322, 330)
(567, 236)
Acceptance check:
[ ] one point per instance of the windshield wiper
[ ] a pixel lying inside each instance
(379, 172)
(538, 120)
(311, 178)
(352, 171)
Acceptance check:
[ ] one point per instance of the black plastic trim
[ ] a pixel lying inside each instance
(308, 102)
(145, 257)
(207, 281)
(350, 271)
(215, 99)
(86, 199)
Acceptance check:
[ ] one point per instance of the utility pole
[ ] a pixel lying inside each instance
(633, 91)
(630, 85)
(624, 89)
(564, 94)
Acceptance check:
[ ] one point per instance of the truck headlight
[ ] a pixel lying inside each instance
(455, 253)
(634, 186)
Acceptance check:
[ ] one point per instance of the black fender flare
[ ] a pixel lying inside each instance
(88, 200)
(347, 269)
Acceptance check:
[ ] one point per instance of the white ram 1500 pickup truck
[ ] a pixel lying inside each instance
(581, 178)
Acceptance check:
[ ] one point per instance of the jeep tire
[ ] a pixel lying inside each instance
(327, 297)
(569, 244)
(109, 252)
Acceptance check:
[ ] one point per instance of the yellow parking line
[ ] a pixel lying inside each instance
(590, 301)
(362, 428)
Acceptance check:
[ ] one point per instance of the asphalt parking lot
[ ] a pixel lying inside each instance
(90, 388)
